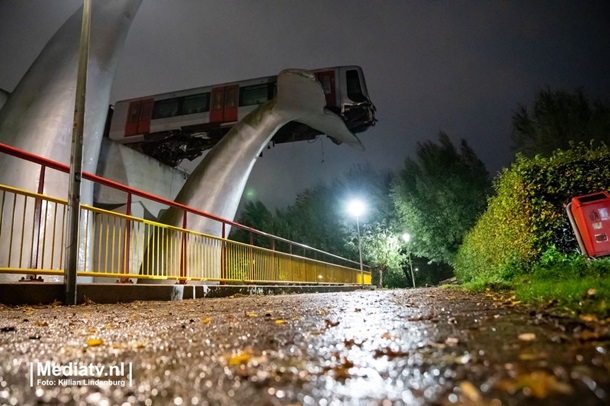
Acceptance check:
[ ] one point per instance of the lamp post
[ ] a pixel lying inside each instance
(356, 208)
(76, 162)
(407, 238)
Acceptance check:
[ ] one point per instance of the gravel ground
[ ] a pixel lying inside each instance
(416, 347)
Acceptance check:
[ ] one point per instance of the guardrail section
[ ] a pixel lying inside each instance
(115, 245)
(31, 227)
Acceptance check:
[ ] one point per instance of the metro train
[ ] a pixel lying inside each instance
(181, 125)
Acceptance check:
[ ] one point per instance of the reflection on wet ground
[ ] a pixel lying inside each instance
(416, 347)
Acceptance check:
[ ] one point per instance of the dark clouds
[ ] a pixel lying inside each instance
(459, 66)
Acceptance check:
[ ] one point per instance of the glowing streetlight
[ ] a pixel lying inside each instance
(356, 208)
(407, 238)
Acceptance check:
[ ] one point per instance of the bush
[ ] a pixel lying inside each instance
(526, 217)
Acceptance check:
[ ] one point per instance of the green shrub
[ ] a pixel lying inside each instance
(526, 216)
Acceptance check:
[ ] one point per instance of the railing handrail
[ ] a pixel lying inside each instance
(28, 156)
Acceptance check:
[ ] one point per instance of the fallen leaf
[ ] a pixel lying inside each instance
(280, 321)
(341, 370)
(349, 343)
(388, 336)
(252, 315)
(587, 335)
(207, 320)
(323, 312)
(390, 353)
(470, 391)
(94, 342)
(330, 323)
(538, 384)
(241, 358)
(530, 356)
(527, 336)
(588, 317)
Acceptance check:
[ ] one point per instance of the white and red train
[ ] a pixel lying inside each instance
(173, 126)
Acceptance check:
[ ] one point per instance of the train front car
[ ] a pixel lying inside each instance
(357, 110)
(346, 95)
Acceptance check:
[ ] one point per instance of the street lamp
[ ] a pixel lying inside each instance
(407, 238)
(356, 208)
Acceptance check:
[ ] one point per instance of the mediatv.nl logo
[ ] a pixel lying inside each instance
(78, 374)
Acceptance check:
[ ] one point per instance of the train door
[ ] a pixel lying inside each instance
(224, 104)
(138, 117)
(328, 81)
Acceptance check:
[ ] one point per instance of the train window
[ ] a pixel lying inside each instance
(217, 99)
(326, 84)
(134, 112)
(230, 98)
(166, 108)
(197, 103)
(252, 95)
(354, 90)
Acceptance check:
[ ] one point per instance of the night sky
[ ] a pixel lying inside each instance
(459, 66)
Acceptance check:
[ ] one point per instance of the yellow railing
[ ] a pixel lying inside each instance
(115, 245)
(31, 230)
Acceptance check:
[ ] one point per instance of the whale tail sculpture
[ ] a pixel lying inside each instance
(217, 183)
(300, 97)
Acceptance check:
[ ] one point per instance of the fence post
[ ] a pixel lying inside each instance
(274, 269)
(127, 243)
(182, 280)
(223, 256)
(37, 221)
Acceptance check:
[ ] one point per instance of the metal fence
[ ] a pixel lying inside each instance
(124, 247)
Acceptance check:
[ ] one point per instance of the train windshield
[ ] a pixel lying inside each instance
(354, 90)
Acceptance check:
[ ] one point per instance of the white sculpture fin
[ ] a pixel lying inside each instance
(305, 103)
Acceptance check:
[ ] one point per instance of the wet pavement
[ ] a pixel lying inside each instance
(416, 347)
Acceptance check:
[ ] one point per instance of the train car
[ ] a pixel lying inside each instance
(181, 125)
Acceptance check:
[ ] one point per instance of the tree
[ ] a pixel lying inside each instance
(557, 119)
(382, 250)
(439, 195)
(318, 218)
(255, 215)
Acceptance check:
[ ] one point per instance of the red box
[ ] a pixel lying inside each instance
(590, 218)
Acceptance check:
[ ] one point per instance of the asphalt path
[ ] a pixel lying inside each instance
(386, 347)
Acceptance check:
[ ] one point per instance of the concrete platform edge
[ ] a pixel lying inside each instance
(35, 293)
